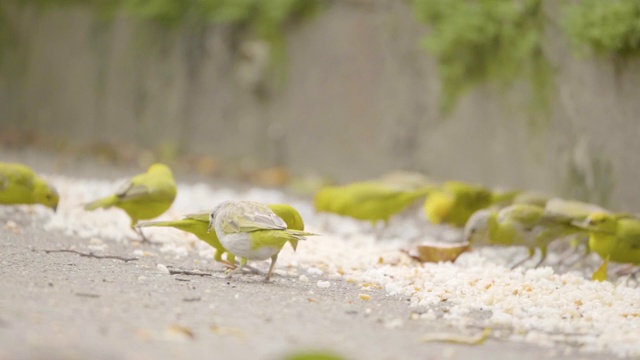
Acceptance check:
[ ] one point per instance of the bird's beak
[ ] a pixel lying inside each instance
(55, 208)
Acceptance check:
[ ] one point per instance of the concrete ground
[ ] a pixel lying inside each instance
(60, 305)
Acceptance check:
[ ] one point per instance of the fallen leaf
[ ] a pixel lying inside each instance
(226, 331)
(207, 165)
(457, 338)
(178, 332)
(275, 176)
(314, 355)
(144, 335)
(12, 226)
(437, 252)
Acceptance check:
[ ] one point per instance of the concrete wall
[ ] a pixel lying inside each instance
(360, 99)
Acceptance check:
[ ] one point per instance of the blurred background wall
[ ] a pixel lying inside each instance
(356, 96)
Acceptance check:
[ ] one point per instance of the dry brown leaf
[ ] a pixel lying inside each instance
(227, 331)
(477, 339)
(275, 176)
(178, 332)
(437, 252)
(207, 165)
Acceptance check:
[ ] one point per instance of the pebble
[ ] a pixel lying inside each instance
(163, 269)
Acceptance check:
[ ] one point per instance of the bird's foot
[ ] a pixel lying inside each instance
(627, 269)
(229, 272)
(253, 270)
(228, 265)
(143, 238)
(519, 263)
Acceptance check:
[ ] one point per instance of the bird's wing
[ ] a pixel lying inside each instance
(4, 182)
(130, 191)
(253, 221)
(570, 209)
(249, 217)
(198, 216)
(527, 215)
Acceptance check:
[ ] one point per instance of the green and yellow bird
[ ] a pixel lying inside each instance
(369, 200)
(21, 185)
(454, 202)
(574, 211)
(614, 236)
(518, 225)
(145, 196)
(252, 231)
(198, 224)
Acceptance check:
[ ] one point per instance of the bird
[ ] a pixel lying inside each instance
(518, 225)
(454, 202)
(575, 211)
(198, 224)
(613, 236)
(252, 231)
(371, 201)
(19, 184)
(145, 196)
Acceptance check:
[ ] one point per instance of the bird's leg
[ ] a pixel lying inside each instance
(139, 231)
(274, 258)
(543, 256)
(580, 259)
(253, 270)
(243, 263)
(532, 252)
(626, 269)
(230, 263)
(634, 274)
(566, 255)
(629, 270)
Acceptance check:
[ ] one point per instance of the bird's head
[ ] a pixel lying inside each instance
(213, 214)
(46, 194)
(159, 168)
(477, 228)
(600, 222)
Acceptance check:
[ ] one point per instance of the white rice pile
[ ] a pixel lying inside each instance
(532, 305)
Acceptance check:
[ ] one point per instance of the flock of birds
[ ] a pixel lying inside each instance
(254, 231)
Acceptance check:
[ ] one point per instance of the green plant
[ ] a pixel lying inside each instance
(486, 41)
(263, 19)
(611, 26)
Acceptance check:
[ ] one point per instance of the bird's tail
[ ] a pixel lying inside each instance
(101, 203)
(300, 234)
(158, 224)
(297, 235)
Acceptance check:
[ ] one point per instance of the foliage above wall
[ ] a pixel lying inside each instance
(259, 19)
(491, 41)
(500, 41)
(611, 26)
(475, 42)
